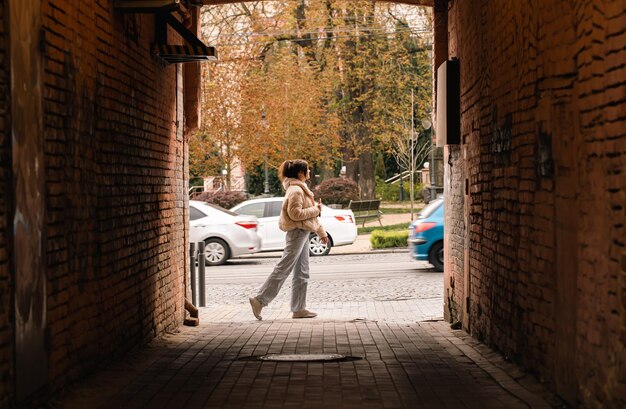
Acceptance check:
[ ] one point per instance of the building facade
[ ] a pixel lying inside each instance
(535, 193)
(93, 189)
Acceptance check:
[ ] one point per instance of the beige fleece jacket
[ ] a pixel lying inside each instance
(299, 210)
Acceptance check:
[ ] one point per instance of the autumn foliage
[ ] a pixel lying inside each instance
(329, 82)
(223, 199)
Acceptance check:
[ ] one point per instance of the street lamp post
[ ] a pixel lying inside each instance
(427, 124)
(225, 180)
(433, 189)
(266, 183)
(412, 167)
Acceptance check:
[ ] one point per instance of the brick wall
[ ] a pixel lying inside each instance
(115, 187)
(116, 165)
(534, 247)
(6, 330)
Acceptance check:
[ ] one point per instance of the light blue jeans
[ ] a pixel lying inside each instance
(295, 257)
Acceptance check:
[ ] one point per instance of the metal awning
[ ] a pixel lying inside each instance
(146, 6)
(193, 51)
(173, 54)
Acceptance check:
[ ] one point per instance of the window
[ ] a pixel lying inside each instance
(252, 209)
(439, 211)
(274, 209)
(195, 214)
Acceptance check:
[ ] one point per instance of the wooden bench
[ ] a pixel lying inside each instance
(366, 209)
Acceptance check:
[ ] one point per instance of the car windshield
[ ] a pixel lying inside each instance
(430, 209)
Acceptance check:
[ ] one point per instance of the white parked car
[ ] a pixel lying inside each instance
(225, 233)
(339, 224)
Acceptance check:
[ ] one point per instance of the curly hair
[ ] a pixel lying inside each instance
(292, 168)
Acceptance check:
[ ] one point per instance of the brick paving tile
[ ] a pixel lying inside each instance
(403, 364)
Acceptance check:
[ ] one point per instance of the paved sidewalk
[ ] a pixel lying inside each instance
(399, 364)
(403, 354)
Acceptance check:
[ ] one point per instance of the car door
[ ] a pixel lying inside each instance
(275, 236)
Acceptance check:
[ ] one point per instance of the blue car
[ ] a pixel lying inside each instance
(426, 235)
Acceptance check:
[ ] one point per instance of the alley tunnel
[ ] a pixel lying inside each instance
(94, 129)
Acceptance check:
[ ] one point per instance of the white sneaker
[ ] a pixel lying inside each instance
(256, 307)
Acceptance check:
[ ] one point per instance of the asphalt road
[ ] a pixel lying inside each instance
(339, 267)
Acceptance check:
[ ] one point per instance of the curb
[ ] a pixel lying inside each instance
(277, 254)
(381, 251)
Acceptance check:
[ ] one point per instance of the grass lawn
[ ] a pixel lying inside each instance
(397, 210)
(397, 227)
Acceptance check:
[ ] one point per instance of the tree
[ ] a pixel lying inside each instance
(283, 107)
(377, 60)
(326, 81)
(403, 95)
(216, 145)
(204, 157)
(282, 111)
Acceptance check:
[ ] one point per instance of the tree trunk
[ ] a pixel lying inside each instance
(366, 178)
(352, 166)
(327, 173)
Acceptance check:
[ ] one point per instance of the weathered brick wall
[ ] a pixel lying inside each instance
(543, 99)
(6, 330)
(115, 186)
(600, 96)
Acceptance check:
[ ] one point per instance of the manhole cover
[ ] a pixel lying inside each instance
(302, 357)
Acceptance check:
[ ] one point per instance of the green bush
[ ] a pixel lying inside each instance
(386, 191)
(337, 190)
(381, 239)
(391, 191)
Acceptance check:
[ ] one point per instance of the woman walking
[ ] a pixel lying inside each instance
(298, 217)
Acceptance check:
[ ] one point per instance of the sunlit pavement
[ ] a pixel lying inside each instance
(387, 319)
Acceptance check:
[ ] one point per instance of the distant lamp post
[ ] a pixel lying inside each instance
(225, 179)
(266, 183)
(427, 124)
(411, 145)
(427, 168)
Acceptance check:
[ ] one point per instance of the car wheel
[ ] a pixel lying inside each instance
(316, 247)
(216, 252)
(435, 256)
